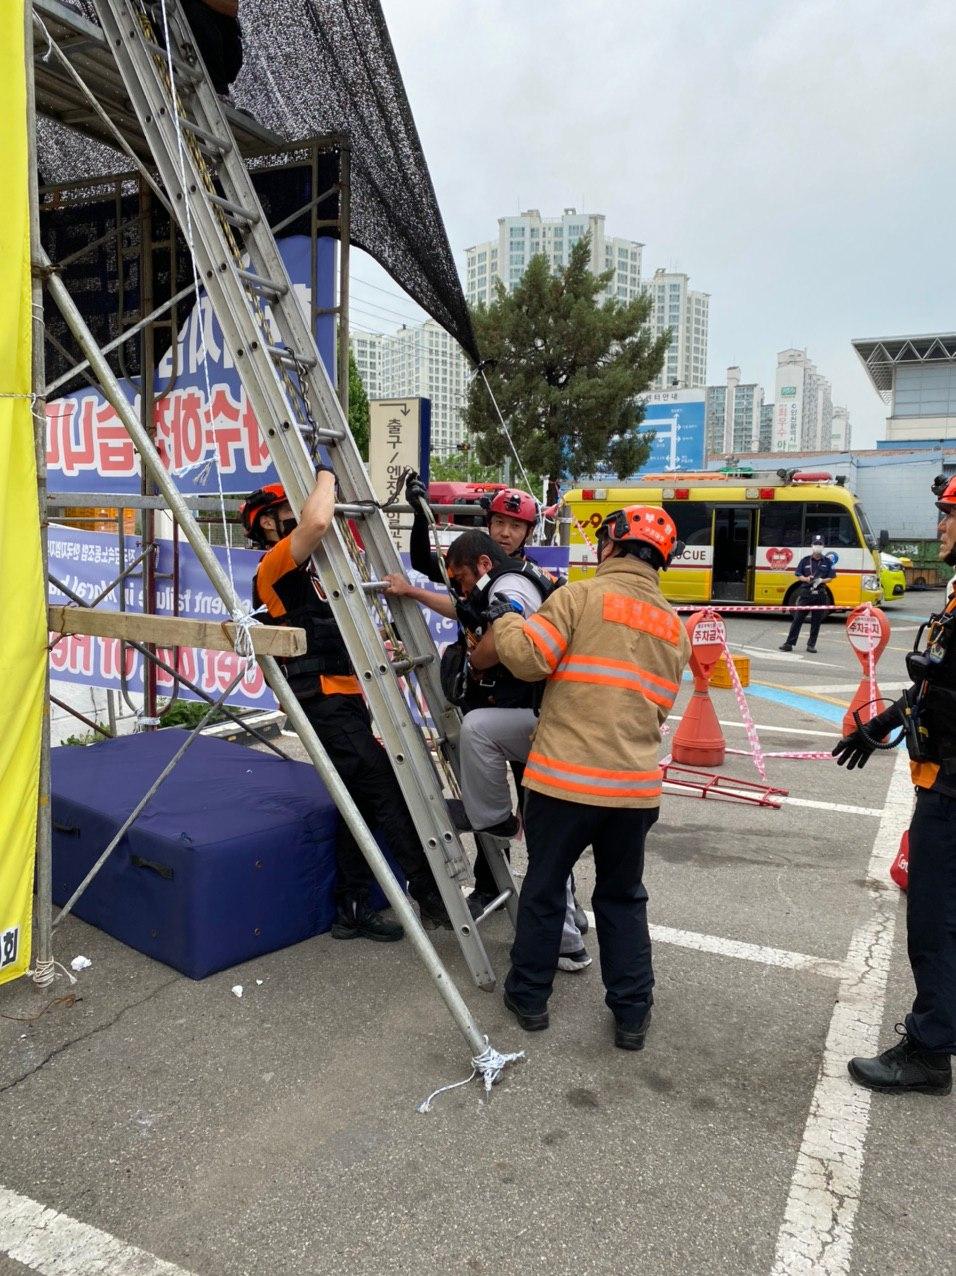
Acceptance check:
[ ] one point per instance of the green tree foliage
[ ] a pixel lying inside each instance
(566, 371)
(358, 408)
(462, 467)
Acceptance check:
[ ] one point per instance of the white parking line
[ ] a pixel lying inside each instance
(747, 952)
(827, 731)
(825, 688)
(58, 1245)
(817, 1231)
(841, 808)
(758, 953)
(788, 657)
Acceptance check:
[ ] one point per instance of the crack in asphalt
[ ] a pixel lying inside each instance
(86, 1036)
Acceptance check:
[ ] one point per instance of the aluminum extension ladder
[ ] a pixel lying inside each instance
(214, 203)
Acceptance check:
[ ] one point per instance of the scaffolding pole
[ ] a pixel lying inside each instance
(455, 1003)
(43, 927)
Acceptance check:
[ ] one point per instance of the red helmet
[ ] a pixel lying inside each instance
(947, 497)
(513, 503)
(260, 502)
(646, 524)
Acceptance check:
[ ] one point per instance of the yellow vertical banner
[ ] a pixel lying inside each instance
(23, 632)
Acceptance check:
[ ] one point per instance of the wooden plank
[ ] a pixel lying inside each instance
(171, 631)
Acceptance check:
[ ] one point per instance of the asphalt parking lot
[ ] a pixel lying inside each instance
(278, 1132)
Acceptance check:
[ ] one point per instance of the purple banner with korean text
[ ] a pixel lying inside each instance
(203, 413)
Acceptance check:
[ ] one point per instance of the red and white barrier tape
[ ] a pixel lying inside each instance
(756, 752)
(766, 610)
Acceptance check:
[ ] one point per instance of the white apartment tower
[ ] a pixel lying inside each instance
(367, 352)
(733, 416)
(524, 236)
(803, 408)
(687, 313)
(840, 430)
(423, 360)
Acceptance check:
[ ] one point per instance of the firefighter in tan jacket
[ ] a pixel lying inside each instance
(612, 651)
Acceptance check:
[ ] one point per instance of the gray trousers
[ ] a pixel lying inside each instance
(490, 739)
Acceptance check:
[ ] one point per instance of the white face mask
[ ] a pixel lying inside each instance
(817, 551)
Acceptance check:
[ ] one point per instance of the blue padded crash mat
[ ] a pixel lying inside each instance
(233, 857)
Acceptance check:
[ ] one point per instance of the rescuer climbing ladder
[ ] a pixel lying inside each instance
(214, 203)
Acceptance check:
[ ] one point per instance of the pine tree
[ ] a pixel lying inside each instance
(566, 370)
(358, 408)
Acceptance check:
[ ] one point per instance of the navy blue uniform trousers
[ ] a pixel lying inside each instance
(557, 833)
(931, 921)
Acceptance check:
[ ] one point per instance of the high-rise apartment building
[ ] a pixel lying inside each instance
(420, 360)
(734, 411)
(367, 349)
(803, 407)
(766, 427)
(528, 234)
(687, 313)
(840, 430)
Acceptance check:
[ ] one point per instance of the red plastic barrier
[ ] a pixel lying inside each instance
(699, 740)
(868, 631)
(900, 868)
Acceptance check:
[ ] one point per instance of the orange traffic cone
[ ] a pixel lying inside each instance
(698, 740)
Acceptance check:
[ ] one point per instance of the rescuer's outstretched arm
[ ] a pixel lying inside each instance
(316, 518)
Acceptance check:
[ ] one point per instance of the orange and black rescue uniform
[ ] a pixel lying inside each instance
(931, 895)
(325, 684)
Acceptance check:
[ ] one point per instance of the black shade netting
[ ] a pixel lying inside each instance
(115, 253)
(317, 67)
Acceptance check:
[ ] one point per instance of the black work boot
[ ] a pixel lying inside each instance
(530, 1020)
(432, 908)
(629, 1035)
(356, 920)
(904, 1067)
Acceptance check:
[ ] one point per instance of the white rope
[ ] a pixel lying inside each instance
(44, 973)
(49, 38)
(488, 1065)
(243, 643)
(511, 442)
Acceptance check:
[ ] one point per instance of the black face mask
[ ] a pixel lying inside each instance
(950, 558)
(287, 525)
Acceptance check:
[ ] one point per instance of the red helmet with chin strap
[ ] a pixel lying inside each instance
(262, 501)
(947, 497)
(642, 524)
(513, 503)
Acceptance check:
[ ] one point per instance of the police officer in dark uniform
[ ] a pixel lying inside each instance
(921, 1060)
(325, 683)
(814, 568)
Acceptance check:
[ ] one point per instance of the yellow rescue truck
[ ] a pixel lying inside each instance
(744, 533)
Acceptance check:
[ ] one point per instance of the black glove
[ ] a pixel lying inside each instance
(470, 617)
(854, 750)
(502, 607)
(416, 493)
(322, 468)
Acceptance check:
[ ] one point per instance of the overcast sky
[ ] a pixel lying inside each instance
(796, 160)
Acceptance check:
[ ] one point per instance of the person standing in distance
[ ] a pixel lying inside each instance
(613, 651)
(813, 570)
(921, 1060)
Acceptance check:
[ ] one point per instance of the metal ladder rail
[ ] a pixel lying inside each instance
(244, 332)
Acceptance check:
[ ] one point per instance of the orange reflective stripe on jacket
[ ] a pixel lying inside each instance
(572, 778)
(546, 638)
(637, 614)
(617, 673)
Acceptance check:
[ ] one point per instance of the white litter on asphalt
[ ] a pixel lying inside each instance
(237, 990)
(80, 963)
